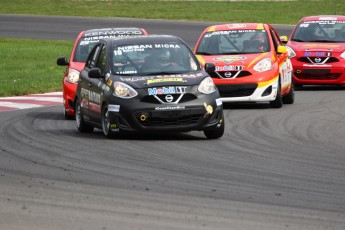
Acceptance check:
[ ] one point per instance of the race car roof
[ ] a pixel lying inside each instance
(324, 18)
(236, 26)
(121, 31)
(143, 39)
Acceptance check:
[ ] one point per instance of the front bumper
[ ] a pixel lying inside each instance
(205, 113)
(69, 90)
(249, 92)
(316, 74)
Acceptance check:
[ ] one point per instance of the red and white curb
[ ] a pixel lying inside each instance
(30, 101)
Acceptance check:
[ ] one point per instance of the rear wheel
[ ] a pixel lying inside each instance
(81, 125)
(216, 132)
(278, 102)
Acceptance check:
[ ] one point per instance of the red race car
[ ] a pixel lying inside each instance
(251, 63)
(317, 50)
(83, 44)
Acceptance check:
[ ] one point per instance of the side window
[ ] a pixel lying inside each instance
(91, 62)
(276, 39)
(102, 60)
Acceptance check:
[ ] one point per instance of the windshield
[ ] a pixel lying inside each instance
(320, 31)
(234, 42)
(146, 59)
(84, 46)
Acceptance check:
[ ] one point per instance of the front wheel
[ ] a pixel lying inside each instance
(106, 123)
(290, 97)
(81, 125)
(216, 132)
(278, 102)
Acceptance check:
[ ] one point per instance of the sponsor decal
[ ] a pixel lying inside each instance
(170, 108)
(219, 102)
(317, 53)
(114, 108)
(90, 95)
(230, 59)
(109, 82)
(159, 80)
(209, 109)
(167, 90)
(94, 107)
(146, 78)
(320, 46)
(317, 65)
(112, 32)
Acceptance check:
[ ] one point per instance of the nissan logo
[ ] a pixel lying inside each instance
(169, 98)
(317, 60)
(227, 74)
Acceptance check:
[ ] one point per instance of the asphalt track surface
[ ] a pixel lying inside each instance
(273, 168)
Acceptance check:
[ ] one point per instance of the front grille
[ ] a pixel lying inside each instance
(179, 121)
(233, 73)
(321, 60)
(317, 75)
(236, 90)
(185, 98)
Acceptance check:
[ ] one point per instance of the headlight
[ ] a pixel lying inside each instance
(123, 90)
(263, 65)
(207, 86)
(73, 76)
(291, 52)
(343, 55)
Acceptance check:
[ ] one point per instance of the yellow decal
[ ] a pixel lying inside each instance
(211, 29)
(260, 26)
(201, 60)
(209, 109)
(165, 80)
(262, 84)
(109, 81)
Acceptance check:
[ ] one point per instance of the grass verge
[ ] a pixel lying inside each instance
(29, 66)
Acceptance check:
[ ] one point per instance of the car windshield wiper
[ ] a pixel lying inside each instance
(321, 41)
(297, 40)
(163, 72)
(228, 53)
(204, 53)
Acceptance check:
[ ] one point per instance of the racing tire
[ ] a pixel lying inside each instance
(278, 102)
(217, 132)
(67, 116)
(290, 97)
(106, 123)
(81, 124)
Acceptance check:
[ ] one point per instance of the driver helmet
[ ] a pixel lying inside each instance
(163, 57)
(259, 40)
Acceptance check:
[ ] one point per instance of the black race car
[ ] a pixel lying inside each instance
(147, 84)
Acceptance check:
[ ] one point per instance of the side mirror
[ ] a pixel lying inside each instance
(284, 39)
(95, 73)
(281, 50)
(210, 67)
(62, 61)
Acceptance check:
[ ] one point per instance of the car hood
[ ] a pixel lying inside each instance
(233, 62)
(186, 79)
(316, 46)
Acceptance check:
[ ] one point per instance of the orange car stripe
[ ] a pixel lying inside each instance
(256, 59)
(262, 84)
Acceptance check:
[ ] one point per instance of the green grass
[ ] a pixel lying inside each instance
(29, 66)
(278, 12)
